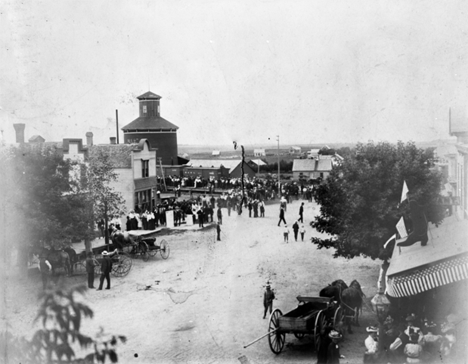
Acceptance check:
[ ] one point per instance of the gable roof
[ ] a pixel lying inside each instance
(145, 123)
(230, 164)
(36, 139)
(308, 165)
(148, 96)
(258, 162)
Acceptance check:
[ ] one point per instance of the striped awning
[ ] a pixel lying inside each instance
(423, 279)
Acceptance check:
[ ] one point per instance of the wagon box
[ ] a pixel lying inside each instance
(310, 317)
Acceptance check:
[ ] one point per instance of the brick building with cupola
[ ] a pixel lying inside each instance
(149, 125)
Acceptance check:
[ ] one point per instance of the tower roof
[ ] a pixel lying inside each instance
(149, 96)
(144, 123)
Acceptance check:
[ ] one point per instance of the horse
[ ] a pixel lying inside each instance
(334, 290)
(351, 303)
(73, 257)
(120, 238)
(57, 259)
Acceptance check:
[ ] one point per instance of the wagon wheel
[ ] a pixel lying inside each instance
(164, 249)
(320, 323)
(143, 249)
(337, 317)
(122, 266)
(275, 339)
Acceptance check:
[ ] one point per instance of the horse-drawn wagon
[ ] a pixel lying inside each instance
(121, 261)
(310, 317)
(143, 243)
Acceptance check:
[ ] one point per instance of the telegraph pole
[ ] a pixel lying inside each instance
(279, 183)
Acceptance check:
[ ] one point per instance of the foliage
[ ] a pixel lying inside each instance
(285, 166)
(327, 151)
(60, 313)
(45, 197)
(100, 175)
(359, 201)
(345, 152)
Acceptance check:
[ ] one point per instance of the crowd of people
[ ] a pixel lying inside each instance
(414, 341)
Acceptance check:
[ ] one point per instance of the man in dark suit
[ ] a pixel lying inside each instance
(301, 213)
(106, 268)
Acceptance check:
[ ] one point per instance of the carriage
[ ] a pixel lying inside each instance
(143, 244)
(121, 261)
(310, 317)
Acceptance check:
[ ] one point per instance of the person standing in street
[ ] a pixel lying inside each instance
(218, 231)
(220, 215)
(302, 231)
(268, 297)
(296, 230)
(228, 205)
(301, 213)
(281, 216)
(90, 269)
(333, 351)
(46, 270)
(106, 268)
(286, 234)
(262, 209)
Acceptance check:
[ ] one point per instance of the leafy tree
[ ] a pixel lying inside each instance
(46, 208)
(359, 201)
(100, 177)
(345, 152)
(60, 314)
(327, 151)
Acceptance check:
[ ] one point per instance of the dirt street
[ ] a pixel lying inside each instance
(205, 302)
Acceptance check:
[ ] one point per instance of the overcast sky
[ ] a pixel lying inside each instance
(308, 71)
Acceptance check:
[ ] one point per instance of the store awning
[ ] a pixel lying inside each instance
(421, 280)
(442, 261)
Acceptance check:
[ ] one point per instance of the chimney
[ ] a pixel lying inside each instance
(112, 140)
(19, 128)
(89, 139)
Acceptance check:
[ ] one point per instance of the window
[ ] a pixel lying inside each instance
(145, 110)
(144, 168)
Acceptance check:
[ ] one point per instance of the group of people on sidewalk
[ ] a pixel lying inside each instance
(415, 341)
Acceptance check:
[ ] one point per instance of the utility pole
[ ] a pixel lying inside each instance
(117, 124)
(279, 183)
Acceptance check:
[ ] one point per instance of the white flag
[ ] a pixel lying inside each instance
(389, 240)
(401, 228)
(404, 192)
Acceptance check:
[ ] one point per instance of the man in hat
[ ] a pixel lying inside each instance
(333, 351)
(370, 356)
(281, 216)
(301, 213)
(106, 268)
(90, 263)
(295, 230)
(268, 297)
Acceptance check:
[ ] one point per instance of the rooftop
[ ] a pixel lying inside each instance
(307, 165)
(145, 123)
(446, 241)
